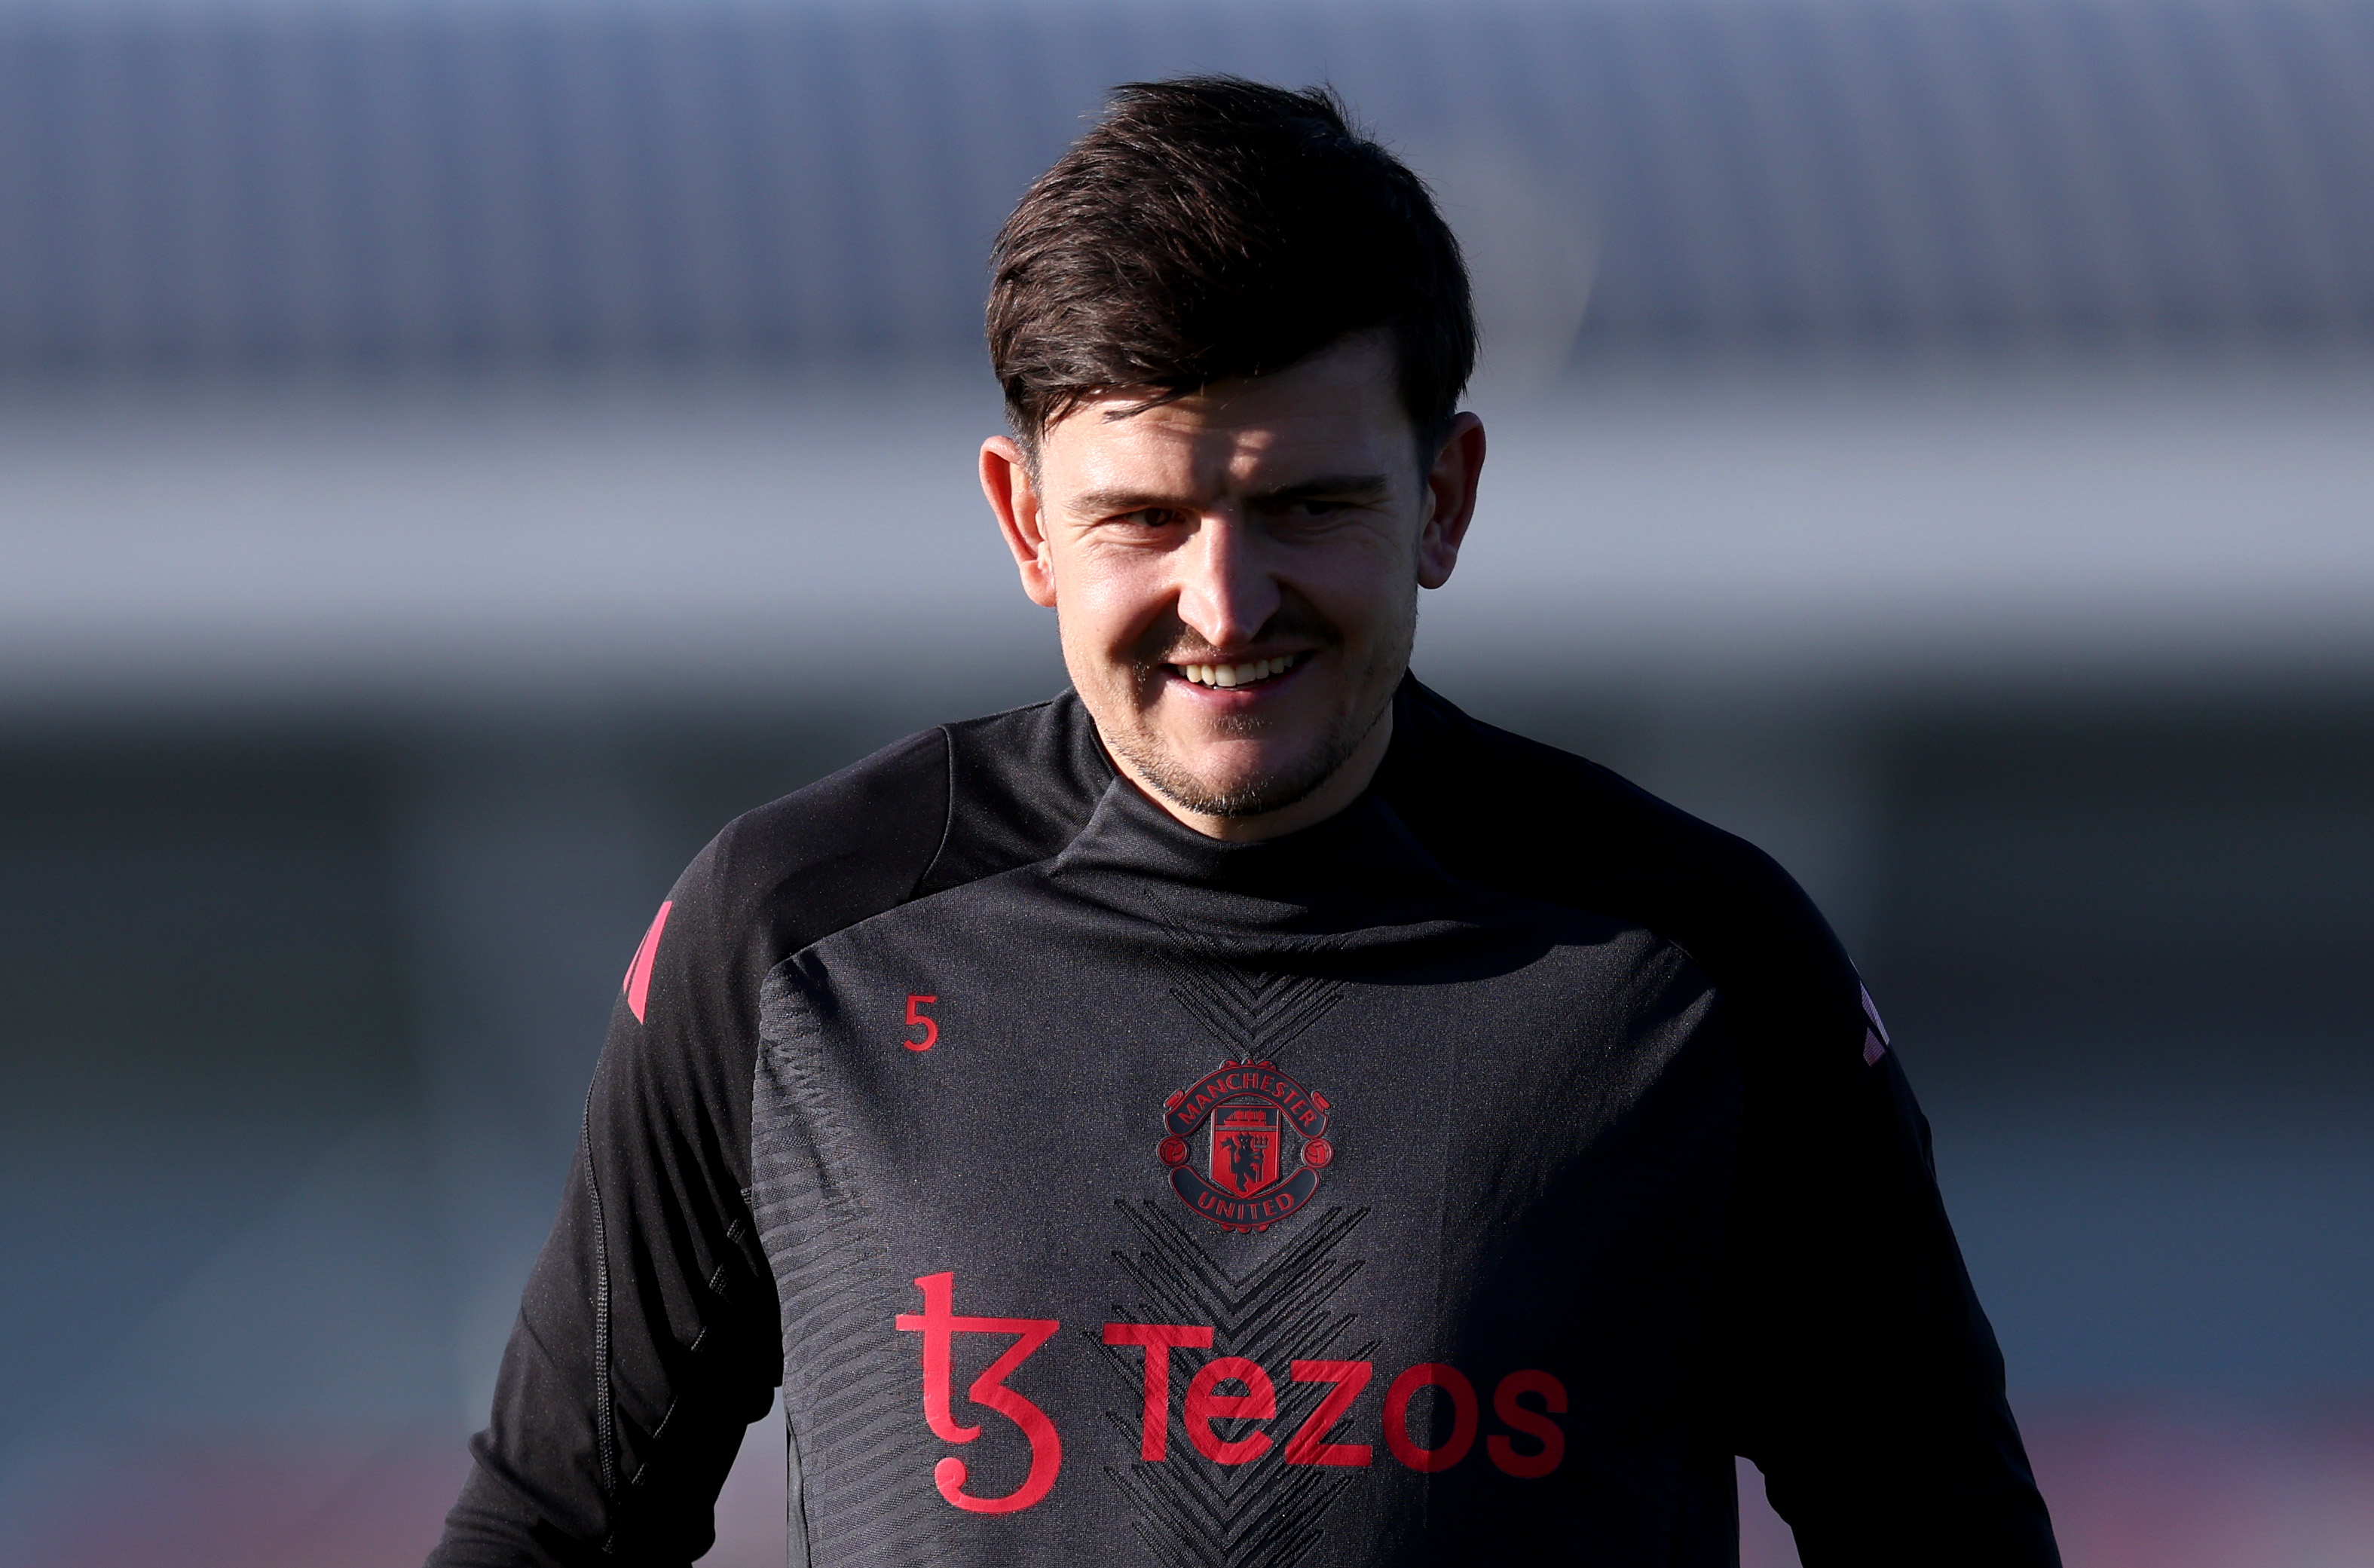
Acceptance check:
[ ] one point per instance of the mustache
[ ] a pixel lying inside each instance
(1171, 641)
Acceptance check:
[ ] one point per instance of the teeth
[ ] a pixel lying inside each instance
(1225, 675)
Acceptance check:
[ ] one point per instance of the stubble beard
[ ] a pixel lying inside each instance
(1151, 759)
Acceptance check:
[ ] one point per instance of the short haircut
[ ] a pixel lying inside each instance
(1212, 228)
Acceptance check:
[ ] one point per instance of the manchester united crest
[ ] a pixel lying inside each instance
(1245, 1144)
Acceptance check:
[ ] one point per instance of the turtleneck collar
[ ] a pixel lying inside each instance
(1358, 864)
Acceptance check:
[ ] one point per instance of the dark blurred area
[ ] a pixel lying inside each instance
(454, 456)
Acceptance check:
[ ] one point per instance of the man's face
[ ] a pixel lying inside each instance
(1235, 574)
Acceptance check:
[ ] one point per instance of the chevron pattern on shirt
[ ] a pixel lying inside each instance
(1253, 1015)
(1272, 1309)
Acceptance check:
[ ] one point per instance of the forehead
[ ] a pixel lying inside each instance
(1338, 411)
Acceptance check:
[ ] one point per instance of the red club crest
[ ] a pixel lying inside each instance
(1245, 1144)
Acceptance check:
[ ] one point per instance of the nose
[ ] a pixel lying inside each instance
(1226, 591)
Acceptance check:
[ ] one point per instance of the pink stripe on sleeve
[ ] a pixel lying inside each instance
(638, 973)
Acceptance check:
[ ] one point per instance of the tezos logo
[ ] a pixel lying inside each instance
(1245, 1145)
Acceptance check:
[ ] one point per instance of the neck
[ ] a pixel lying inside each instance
(1341, 789)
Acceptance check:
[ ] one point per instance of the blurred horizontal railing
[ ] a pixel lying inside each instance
(400, 183)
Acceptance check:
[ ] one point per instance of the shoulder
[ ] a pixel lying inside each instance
(941, 807)
(1512, 813)
(831, 853)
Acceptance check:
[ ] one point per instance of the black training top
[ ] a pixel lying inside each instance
(1467, 1179)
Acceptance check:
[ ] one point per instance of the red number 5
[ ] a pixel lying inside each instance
(914, 1016)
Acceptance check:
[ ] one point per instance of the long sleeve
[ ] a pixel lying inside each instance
(1861, 1376)
(1850, 1357)
(648, 1339)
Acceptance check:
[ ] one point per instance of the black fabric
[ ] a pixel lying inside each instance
(647, 1341)
(1855, 1366)
(1657, 1037)
(1530, 1114)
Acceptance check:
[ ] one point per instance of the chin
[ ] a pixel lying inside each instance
(1234, 773)
(1243, 787)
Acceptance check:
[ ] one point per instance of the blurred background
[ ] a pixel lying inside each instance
(454, 455)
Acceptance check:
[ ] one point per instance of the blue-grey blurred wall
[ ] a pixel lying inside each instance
(401, 180)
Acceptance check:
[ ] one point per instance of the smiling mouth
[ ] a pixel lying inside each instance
(1229, 677)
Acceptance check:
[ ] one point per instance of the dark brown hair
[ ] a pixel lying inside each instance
(1213, 226)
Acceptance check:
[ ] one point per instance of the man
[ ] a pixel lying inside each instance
(1244, 1111)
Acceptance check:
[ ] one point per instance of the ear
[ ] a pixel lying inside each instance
(1013, 496)
(1450, 493)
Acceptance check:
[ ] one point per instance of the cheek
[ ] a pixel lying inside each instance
(1106, 600)
(1364, 588)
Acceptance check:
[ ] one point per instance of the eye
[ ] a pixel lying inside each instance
(1313, 509)
(1148, 517)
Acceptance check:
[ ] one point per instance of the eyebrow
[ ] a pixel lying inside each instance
(1359, 486)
